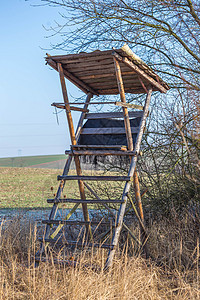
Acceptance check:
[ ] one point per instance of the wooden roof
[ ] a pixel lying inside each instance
(95, 72)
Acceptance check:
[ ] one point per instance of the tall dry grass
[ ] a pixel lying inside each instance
(131, 277)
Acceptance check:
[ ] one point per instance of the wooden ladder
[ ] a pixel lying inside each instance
(75, 152)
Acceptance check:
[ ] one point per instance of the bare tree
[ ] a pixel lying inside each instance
(164, 32)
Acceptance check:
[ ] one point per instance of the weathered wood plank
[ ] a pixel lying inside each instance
(99, 71)
(123, 148)
(115, 91)
(128, 81)
(80, 55)
(82, 103)
(107, 115)
(80, 64)
(73, 222)
(129, 105)
(127, 124)
(106, 75)
(91, 59)
(114, 130)
(144, 75)
(62, 184)
(81, 85)
(99, 152)
(91, 201)
(73, 140)
(53, 64)
(95, 178)
(62, 106)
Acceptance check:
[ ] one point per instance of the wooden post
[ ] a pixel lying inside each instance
(73, 140)
(128, 184)
(144, 236)
(123, 99)
(137, 196)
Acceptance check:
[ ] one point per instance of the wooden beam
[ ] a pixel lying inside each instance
(95, 178)
(92, 59)
(65, 172)
(81, 85)
(107, 75)
(123, 99)
(73, 222)
(62, 106)
(142, 84)
(100, 152)
(96, 53)
(82, 103)
(73, 139)
(129, 105)
(123, 148)
(115, 91)
(88, 201)
(62, 184)
(144, 75)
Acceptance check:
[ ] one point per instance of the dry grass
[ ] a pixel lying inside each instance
(130, 277)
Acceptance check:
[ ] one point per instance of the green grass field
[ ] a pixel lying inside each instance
(27, 161)
(30, 187)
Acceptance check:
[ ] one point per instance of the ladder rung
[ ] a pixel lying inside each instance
(77, 244)
(74, 222)
(92, 201)
(100, 152)
(100, 147)
(55, 261)
(95, 178)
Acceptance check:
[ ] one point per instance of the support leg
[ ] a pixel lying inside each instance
(73, 140)
(65, 172)
(128, 184)
(141, 214)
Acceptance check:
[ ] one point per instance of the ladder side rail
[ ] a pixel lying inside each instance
(123, 103)
(73, 140)
(67, 166)
(128, 184)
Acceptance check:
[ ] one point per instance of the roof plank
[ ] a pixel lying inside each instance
(94, 72)
(140, 72)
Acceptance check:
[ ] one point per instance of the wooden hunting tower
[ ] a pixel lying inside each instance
(110, 133)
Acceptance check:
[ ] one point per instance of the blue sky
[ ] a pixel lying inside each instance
(27, 86)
